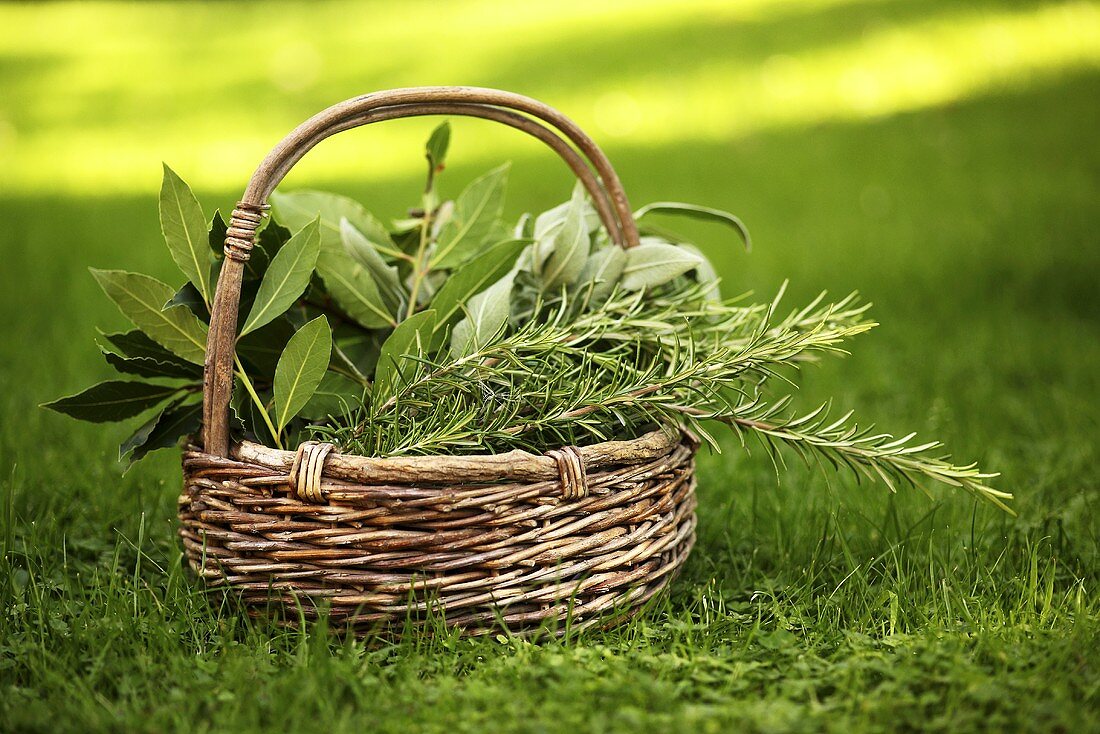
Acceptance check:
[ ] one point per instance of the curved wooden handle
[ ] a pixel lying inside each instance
(607, 194)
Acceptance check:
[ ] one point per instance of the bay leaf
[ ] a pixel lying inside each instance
(476, 212)
(300, 369)
(185, 232)
(141, 297)
(286, 278)
(112, 400)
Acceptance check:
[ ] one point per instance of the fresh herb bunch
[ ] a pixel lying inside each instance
(452, 332)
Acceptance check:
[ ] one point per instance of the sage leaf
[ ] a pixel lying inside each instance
(113, 400)
(430, 285)
(705, 274)
(162, 431)
(364, 252)
(185, 232)
(400, 353)
(476, 212)
(140, 298)
(352, 287)
(601, 273)
(297, 209)
(548, 221)
(525, 227)
(474, 276)
(654, 263)
(286, 278)
(301, 367)
(567, 245)
(704, 213)
(551, 219)
(486, 314)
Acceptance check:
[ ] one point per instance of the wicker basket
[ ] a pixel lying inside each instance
(574, 537)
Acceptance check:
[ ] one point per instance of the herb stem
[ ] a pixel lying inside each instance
(420, 267)
(256, 399)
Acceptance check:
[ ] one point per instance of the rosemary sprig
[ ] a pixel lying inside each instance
(639, 362)
(453, 332)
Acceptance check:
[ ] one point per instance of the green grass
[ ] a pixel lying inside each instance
(810, 603)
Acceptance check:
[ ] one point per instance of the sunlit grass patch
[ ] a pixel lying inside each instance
(96, 95)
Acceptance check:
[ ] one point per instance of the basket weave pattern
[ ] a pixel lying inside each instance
(386, 542)
(515, 539)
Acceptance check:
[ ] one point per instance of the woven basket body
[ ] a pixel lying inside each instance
(569, 539)
(480, 546)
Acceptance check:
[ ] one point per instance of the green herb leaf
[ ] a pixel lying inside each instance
(146, 367)
(476, 211)
(364, 252)
(188, 295)
(162, 431)
(601, 272)
(286, 278)
(654, 263)
(352, 287)
(273, 237)
(185, 232)
(113, 400)
(268, 243)
(301, 368)
(472, 277)
(355, 350)
(705, 274)
(486, 313)
(436, 148)
(525, 227)
(336, 396)
(567, 245)
(140, 298)
(409, 342)
(551, 219)
(246, 417)
(137, 345)
(216, 234)
(704, 213)
(260, 350)
(297, 209)
(137, 438)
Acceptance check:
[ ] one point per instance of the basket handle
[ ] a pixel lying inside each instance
(607, 194)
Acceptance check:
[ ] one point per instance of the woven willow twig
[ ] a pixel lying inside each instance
(522, 540)
(514, 539)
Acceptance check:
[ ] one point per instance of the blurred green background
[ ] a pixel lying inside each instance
(939, 157)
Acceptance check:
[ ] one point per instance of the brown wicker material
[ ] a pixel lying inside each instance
(584, 535)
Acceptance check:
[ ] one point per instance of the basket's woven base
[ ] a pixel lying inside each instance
(477, 555)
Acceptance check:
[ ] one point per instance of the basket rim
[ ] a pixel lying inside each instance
(514, 465)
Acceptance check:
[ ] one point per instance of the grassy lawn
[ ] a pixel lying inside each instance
(964, 207)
